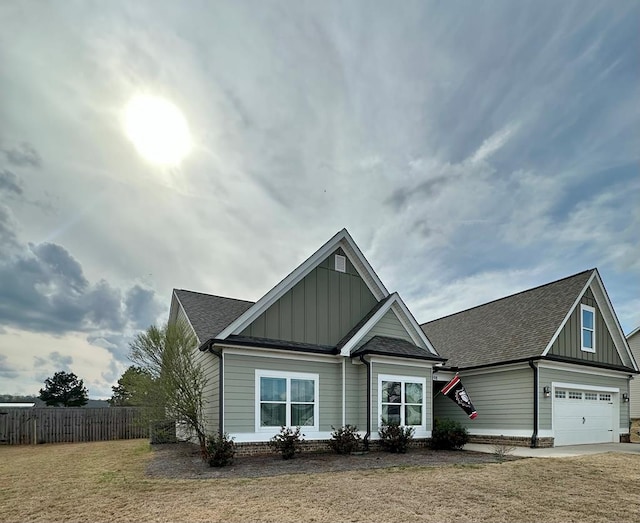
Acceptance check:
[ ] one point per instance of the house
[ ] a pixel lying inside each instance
(549, 366)
(327, 346)
(633, 339)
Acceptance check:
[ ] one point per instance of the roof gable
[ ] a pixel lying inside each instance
(516, 327)
(406, 327)
(340, 240)
(206, 313)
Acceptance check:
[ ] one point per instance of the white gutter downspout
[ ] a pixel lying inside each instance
(344, 391)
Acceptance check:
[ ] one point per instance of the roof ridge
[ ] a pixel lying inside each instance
(214, 295)
(510, 296)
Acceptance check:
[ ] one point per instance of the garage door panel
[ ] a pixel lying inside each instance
(581, 417)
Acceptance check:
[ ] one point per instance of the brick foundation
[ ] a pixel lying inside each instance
(512, 441)
(625, 438)
(261, 448)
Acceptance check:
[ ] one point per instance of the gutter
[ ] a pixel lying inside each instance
(368, 434)
(534, 436)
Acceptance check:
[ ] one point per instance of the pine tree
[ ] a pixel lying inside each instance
(64, 389)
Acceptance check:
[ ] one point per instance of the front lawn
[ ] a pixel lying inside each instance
(106, 481)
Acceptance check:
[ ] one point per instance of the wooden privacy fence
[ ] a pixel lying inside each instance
(23, 426)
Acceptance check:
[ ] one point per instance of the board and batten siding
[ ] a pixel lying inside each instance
(320, 309)
(634, 386)
(569, 341)
(503, 400)
(547, 376)
(356, 398)
(418, 371)
(240, 393)
(390, 326)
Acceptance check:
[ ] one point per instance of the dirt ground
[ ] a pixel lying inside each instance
(635, 431)
(182, 461)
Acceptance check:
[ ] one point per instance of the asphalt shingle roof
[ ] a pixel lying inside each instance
(512, 328)
(362, 322)
(282, 344)
(210, 314)
(394, 347)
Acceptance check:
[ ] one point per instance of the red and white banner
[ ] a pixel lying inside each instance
(455, 391)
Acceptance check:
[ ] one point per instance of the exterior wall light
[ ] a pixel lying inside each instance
(625, 397)
(547, 391)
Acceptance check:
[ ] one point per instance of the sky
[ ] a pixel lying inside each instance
(472, 150)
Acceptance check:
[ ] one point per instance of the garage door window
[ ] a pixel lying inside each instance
(590, 396)
(560, 394)
(573, 395)
(605, 397)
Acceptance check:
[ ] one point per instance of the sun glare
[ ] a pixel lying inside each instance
(158, 130)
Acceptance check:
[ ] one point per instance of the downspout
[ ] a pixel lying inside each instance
(220, 389)
(368, 434)
(344, 391)
(534, 436)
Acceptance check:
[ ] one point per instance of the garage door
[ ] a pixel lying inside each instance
(582, 416)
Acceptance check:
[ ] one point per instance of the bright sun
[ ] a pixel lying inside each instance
(158, 129)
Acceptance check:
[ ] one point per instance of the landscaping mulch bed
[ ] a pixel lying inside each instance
(182, 461)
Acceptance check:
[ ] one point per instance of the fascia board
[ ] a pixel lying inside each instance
(348, 347)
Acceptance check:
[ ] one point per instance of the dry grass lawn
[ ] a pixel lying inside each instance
(106, 482)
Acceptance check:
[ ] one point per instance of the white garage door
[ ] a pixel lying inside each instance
(582, 416)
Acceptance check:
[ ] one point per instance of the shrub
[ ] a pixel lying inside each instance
(448, 435)
(394, 438)
(287, 442)
(220, 450)
(345, 440)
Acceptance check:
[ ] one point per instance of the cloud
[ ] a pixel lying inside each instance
(10, 183)
(23, 155)
(54, 360)
(6, 370)
(141, 304)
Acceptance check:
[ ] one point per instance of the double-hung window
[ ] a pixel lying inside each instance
(286, 399)
(588, 328)
(402, 400)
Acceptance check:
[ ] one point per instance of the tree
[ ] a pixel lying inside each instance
(134, 389)
(64, 389)
(167, 354)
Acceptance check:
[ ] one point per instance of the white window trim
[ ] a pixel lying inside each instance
(403, 380)
(288, 376)
(592, 310)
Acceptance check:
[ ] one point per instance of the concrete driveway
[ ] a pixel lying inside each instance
(562, 452)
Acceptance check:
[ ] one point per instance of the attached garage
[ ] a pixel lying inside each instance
(584, 415)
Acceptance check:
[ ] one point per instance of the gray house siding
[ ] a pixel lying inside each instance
(389, 325)
(634, 393)
(503, 400)
(356, 399)
(547, 376)
(378, 368)
(240, 395)
(569, 341)
(320, 309)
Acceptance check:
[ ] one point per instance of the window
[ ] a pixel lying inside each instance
(560, 394)
(286, 399)
(402, 400)
(605, 397)
(591, 396)
(575, 395)
(588, 320)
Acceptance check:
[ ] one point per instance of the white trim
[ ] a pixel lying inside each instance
(617, 331)
(407, 362)
(404, 379)
(282, 354)
(568, 315)
(262, 373)
(443, 375)
(422, 337)
(419, 433)
(583, 347)
(633, 332)
(578, 386)
(558, 365)
(418, 335)
(344, 392)
(186, 316)
(341, 239)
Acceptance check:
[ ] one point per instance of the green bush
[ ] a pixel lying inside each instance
(395, 438)
(287, 442)
(220, 450)
(345, 440)
(448, 435)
